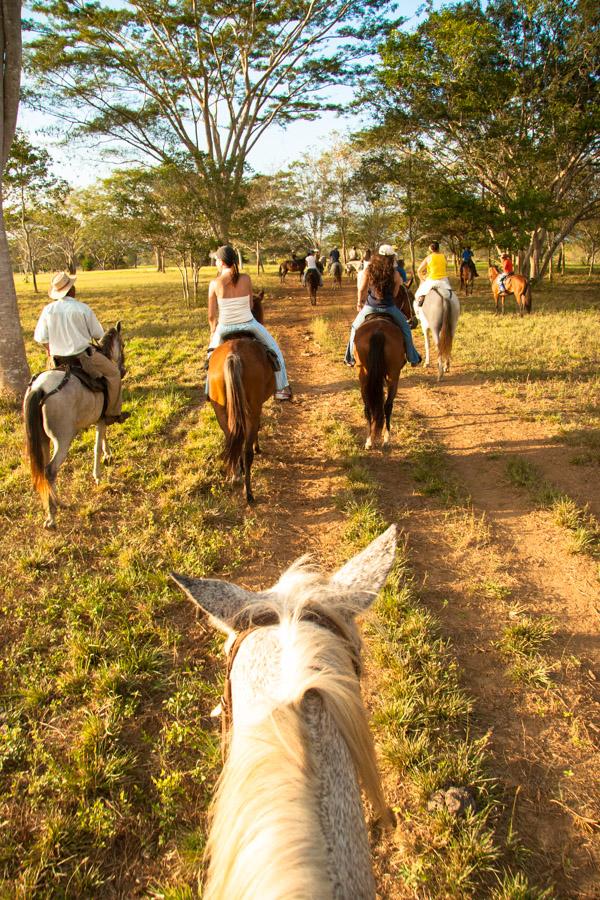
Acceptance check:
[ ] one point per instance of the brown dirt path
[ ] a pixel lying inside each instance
(544, 745)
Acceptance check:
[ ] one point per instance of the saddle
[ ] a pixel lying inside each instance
(271, 355)
(71, 365)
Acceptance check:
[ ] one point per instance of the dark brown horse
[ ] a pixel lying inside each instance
(241, 379)
(291, 265)
(336, 274)
(467, 278)
(514, 284)
(312, 281)
(380, 352)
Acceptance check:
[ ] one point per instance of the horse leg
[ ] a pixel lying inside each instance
(100, 449)
(363, 390)
(389, 405)
(61, 448)
(425, 330)
(248, 460)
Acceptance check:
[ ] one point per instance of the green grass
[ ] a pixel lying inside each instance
(583, 527)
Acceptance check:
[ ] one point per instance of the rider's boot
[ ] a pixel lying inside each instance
(116, 420)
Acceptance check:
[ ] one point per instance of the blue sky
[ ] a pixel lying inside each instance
(81, 166)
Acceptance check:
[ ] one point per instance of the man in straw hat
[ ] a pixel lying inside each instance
(66, 328)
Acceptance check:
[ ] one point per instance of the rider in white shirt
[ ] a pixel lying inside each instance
(66, 328)
(311, 263)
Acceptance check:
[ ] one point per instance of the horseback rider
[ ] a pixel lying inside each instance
(230, 311)
(377, 286)
(432, 272)
(66, 328)
(507, 270)
(334, 257)
(467, 257)
(311, 263)
(366, 260)
(401, 271)
(353, 254)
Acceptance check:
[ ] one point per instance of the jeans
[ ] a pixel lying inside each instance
(398, 317)
(259, 331)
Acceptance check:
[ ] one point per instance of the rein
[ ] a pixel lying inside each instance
(264, 620)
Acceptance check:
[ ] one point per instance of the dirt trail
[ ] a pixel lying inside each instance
(544, 750)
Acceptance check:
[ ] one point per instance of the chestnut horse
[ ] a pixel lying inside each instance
(380, 352)
(312, 281)
(466, 278)
(241, 379)
(515, 284)
(291, 265)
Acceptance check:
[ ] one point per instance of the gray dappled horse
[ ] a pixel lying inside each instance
(335, 271)
(439, 314)
(56, 407)
(287, 819)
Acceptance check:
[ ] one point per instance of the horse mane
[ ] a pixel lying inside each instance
(107, 340)
(266, 835)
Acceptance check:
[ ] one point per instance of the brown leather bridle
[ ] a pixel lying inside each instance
(265, 619)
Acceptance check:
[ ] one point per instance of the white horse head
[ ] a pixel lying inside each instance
(287, 820)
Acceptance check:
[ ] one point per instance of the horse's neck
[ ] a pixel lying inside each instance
(266, 839)
(340, 806)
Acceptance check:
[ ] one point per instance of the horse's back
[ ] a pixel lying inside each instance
(394, 346)
(257, 371)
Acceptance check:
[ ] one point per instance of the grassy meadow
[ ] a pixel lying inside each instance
(108, 756)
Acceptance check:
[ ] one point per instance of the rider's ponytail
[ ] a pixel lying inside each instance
(229, 257)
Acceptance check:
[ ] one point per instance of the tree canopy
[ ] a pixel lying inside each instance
(197, 80)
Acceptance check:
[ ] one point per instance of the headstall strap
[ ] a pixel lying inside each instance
(263, 620)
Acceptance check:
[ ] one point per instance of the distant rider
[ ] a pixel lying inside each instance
(467, 257)
(432, 272)
(334, 257)
(67, 328)
(230, 311)
(311, 263)
(507, 270)
(401, 271)
(378, 286)
(353, 254)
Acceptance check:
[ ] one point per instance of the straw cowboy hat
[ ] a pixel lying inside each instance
(60, 285)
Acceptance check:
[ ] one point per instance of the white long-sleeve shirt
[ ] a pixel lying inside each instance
(67, 326)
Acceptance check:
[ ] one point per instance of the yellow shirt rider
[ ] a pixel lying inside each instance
(432, 272)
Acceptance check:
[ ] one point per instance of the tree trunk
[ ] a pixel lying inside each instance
(562, 257)
(592, 259)
(14, 369)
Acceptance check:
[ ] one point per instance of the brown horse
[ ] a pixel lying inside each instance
(291, 265)
(312, 281)
(466, 278)
(380, 353)
(515, 284)
(241, 379)
(336, 274)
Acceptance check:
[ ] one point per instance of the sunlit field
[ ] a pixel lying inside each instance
(108, 755)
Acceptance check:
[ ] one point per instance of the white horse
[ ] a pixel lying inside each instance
(287, 820)
(56, 407)
(354, 266)
(439, 314)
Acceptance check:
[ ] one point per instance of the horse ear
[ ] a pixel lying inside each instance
(118, 326)
(366, 573)
(221, 601)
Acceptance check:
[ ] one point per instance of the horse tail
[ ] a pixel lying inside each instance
(445, 344)
(37, 443)
(375, 378)
(527, 295)
(237, 410)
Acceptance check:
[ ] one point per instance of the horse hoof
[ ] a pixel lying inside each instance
(49, 524)
(250, 499)
(368, 444)
(97, 479)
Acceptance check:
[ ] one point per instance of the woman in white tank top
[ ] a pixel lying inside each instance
(230, 310)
